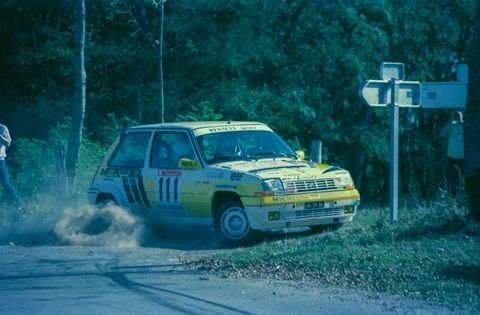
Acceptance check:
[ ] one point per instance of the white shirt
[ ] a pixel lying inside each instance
(5, 141)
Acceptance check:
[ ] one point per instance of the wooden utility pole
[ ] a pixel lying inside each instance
(162, 104)
(78, 114)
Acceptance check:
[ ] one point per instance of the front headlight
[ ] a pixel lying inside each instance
(273, 185)
(270, 187)
(344, 182)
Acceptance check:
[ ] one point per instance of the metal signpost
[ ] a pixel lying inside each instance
(393, 91)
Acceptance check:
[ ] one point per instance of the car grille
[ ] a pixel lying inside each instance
(310, 213)
(310, 185)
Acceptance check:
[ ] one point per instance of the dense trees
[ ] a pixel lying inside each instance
(295, 64)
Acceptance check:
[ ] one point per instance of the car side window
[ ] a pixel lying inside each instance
(168, 148)
(131, 150)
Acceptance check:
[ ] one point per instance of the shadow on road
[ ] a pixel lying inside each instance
(168, 298)
(183, 238)
(189, 238)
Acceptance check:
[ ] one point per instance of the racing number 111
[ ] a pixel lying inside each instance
(164, 187)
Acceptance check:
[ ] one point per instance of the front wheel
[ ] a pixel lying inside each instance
(233, 223)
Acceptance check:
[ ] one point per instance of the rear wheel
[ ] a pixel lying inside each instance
(233, 223)
(105, 200)
(100, 221)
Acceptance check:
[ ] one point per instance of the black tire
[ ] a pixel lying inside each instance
(233, 224)
(106, 201)
(99, 224)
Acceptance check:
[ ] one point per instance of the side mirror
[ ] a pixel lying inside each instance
(188, 164)
(300, 155)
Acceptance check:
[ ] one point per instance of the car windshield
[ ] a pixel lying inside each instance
(242, 145)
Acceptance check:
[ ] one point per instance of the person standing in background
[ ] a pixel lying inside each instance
(453, 132)
(5, 142)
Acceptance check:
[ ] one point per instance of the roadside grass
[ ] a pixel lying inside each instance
(430, 253)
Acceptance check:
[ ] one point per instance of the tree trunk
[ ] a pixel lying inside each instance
(78, 114)
(140, 17)
(472, 124)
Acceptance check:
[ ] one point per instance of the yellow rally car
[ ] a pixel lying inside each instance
(239, 177)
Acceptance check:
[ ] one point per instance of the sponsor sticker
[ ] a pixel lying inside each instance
(125, 172)
(110, 172)
(188, 164)
(285, 198)
(326, 196)
(236, 176)
(170, 173)
(220, 129)
(247, 128)
(121, 172)
(214, 175)
(227, 186)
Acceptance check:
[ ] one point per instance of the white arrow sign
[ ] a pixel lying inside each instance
(378, 93)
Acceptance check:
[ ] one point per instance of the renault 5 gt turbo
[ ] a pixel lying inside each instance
(238, 177)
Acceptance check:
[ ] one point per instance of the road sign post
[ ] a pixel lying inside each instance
(393, 196)
(395, 93)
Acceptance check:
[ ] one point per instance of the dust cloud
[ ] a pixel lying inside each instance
(51, 222)
(107, 226)
(85, 226)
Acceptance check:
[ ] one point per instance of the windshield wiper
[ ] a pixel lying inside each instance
(270, 154)
(225, 158)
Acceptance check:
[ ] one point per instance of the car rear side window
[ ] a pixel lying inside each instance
(131, 150)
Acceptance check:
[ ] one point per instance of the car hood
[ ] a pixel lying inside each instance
(285, 169)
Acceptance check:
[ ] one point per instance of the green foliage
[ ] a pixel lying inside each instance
(36, 167)
(203, 112)
(112, 126)
(295, 65)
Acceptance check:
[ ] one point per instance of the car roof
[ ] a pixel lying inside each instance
(192, 125)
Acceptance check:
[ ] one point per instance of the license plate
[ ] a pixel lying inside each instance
(315, 205)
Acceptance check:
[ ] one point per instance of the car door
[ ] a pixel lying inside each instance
(173, 175)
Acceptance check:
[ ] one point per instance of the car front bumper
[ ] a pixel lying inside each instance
(305, 210)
